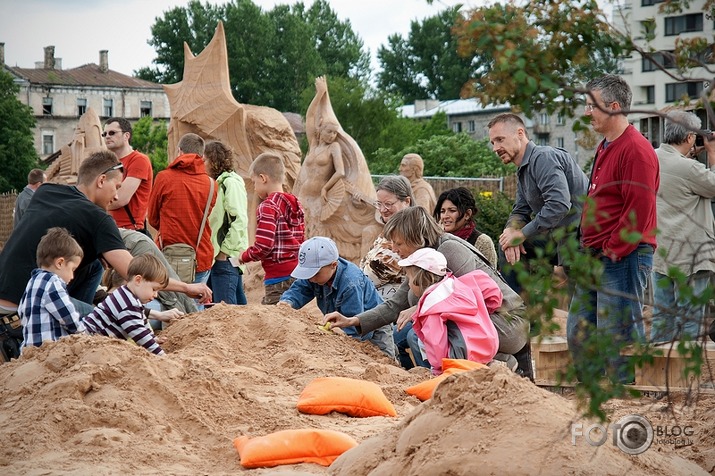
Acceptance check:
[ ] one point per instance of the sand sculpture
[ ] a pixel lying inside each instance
(334, 184)
(202, 103)
(87, 139)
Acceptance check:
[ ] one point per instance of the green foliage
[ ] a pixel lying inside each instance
(273, 56)
(494, 210)
(449, 155)
(426, 63)
(150, 138)
(17, 148)
(534, 53)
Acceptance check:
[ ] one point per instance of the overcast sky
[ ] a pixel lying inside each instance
(79, 29)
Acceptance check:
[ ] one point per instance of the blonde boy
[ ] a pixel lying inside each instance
(122, 313)
(45, 307)
(280, 227)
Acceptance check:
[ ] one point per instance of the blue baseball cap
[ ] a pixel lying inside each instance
(315, 253)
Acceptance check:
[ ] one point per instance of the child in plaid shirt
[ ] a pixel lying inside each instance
(45, 307)
(280, 227)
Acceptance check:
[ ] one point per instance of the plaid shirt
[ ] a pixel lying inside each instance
(121, 315)
(46, 310)
(280, 229)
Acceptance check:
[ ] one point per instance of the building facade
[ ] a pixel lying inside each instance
(654, 89)
(471, 117)
(59, 97)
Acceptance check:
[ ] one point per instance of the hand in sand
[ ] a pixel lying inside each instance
(199, 291)
(335, 319)
(166, 316)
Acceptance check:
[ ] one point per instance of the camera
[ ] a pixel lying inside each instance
(700, 138)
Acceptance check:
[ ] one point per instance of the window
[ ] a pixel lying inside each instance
(48, 142)
(542, 139)
(664, 59)
(108, 107)
(47, 106)
(457, 127)
(81, 106)
(470, 126)
(683, 24)
(648, 3)
(560, 142)
(676, 91)
(560, 120)
(649, 94)
(145, 108)
(544, 119)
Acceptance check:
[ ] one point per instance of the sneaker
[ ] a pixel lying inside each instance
(507, 360)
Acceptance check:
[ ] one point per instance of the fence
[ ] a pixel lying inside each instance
(507, 185)
(7, 207)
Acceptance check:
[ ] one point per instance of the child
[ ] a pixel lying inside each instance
(452, 316)
(122, 315)
(337, 285)
(45, 307)
(280, 227)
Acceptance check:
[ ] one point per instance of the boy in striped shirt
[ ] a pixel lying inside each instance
(45, 308)
(122, 313)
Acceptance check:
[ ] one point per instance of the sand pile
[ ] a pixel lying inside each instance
(93, 405)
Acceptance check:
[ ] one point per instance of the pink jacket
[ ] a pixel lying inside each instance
(452, 319)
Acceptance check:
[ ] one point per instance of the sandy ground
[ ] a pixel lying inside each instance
(94, 405)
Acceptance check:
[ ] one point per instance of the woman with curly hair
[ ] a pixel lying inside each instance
(455, 212)
(229, 224)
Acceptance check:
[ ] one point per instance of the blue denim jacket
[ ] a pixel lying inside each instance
(350, 293)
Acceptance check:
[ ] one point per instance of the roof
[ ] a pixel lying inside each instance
(453, 107)
(86, 75)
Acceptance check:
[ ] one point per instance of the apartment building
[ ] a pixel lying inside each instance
(653, 89)
(59, 96)
(471, 117)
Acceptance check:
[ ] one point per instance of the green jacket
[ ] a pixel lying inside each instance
(229, 217)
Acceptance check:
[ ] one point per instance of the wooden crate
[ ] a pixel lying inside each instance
(668, 369)
(551, 358)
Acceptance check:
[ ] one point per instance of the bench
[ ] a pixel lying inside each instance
(669, 368)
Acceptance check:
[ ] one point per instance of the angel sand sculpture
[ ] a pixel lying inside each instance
(86, 140)
(334, 184)
(202, 103)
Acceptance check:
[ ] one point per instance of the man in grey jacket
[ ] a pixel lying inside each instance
(35, 178)
(549, 191)
(686, 238)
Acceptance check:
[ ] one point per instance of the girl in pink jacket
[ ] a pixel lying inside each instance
(452, 316)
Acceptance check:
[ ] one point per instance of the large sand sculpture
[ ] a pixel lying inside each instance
(86, 140)
(334, 184)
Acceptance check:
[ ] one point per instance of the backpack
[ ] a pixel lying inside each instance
(10, 337)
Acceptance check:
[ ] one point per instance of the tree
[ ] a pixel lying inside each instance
(193, 24)
(426, 64)
(17, 147)
(151, 139)
(451, 155)
(273, 55)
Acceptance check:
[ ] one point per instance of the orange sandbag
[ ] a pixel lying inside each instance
(358, 398)
(424, 390)
(292, 447)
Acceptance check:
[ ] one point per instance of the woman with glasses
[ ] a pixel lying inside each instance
(394, 193)
(455, 212)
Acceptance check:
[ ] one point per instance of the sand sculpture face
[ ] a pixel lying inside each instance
(334, 184)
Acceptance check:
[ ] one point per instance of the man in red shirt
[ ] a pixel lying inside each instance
(130, 209)
(618, 226)
(178, 201)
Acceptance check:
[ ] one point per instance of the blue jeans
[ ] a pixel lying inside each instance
(202, 278)
(85, 283)
(610, 312)
(674, 318)
(407, 339)
(227, 283)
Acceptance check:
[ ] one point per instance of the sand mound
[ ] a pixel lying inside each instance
(487, 422)
(94, 405)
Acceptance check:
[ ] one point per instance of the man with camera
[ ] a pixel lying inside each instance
(686, 238)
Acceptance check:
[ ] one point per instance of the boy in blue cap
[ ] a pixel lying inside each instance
(337, 285)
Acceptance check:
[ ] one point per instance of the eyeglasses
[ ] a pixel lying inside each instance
(386, 205)
(113, 167)
(591, 106)
(111, 133)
